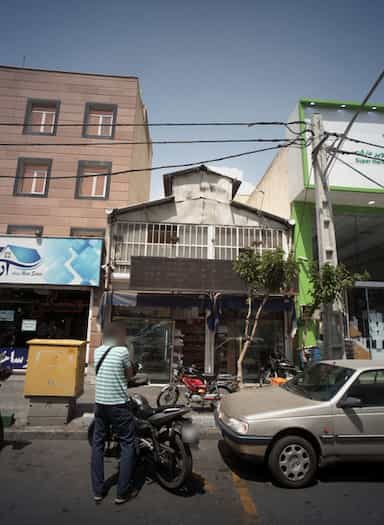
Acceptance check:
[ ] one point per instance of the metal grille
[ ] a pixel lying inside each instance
(230, 240)
(159, 240)
(190, 241)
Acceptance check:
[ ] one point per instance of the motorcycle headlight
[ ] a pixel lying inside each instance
(241, 427)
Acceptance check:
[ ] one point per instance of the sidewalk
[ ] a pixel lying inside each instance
(12, 401)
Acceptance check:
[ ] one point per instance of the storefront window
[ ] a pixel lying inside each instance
(43, 313)
(151, 341)
(359, 243)
(366, 322)
(269, 339)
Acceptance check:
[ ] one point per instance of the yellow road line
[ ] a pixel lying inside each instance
(245, 498)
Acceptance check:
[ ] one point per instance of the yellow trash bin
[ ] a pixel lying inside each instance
(55, 368)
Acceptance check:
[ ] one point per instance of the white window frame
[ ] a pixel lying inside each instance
(101, 118)
(90, 174)
(36, 176)
(44, 114)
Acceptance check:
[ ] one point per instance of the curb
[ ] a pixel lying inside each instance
(61, 434)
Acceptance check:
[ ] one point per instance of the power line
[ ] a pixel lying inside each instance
(356, 154)
(126, 143)
(174, 124)
(166, 166)
(357, 141)
(358, 171)
(353, 119)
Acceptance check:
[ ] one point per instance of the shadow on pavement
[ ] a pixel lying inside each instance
(84, 408)
(352, 472)
(145, 474)
(250, 470)
(339, 472)
(16, 445)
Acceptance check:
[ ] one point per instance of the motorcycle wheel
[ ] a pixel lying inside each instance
(168, 396)
(175, 465)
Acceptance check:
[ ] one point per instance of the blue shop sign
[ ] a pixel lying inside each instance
(17, 357)
(55, 261)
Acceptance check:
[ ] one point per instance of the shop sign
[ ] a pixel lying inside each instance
(7, 316)
(28, 325)
(15, 357)
(55, 261)
(369, 127)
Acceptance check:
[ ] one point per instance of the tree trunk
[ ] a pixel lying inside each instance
(249, 339)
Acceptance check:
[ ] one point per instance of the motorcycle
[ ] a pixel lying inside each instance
(5, 372)
(164, 437)
(277, 367)
(199, 388)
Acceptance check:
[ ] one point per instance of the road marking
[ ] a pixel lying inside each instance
(208, 487)
(245, 498)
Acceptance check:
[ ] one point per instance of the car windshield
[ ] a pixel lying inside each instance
(320, 381)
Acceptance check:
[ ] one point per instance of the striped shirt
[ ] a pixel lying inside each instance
(111, 382)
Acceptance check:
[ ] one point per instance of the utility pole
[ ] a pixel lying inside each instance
(332, 317)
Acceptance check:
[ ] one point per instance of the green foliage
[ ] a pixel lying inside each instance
(267, 273)
(330, 283)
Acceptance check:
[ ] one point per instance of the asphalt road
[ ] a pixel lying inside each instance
(48, 482)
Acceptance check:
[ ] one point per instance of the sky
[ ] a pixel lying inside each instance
(207, 60)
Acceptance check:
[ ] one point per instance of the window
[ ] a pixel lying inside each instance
(99, 120)
(93, 180)
(41, 117)
(369, 387)
(320, 381)
(21, 229)
(162, 234)
(88, 232)
(32, 177)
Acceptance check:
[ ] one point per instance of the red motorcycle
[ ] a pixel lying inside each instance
(197, 387)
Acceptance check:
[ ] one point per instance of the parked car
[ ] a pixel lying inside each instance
(334, 409)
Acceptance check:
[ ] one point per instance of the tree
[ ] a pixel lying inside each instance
(329, 283)
(264, 274)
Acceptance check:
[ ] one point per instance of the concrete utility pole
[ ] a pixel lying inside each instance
(333, 330)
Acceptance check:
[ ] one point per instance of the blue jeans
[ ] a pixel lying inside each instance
(123, 424)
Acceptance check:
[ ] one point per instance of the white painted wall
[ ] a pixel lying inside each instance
(200, 198)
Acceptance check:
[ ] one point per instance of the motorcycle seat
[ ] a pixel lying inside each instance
(165, 415)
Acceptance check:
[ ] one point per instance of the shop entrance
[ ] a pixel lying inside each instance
(151, 342)
(366, 320)
(45, 313)
(270, 339)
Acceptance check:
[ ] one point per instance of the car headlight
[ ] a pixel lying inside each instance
(241, 427)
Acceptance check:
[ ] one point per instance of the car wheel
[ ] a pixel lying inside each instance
(293, 462)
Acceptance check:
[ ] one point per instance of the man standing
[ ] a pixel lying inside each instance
(113, 370)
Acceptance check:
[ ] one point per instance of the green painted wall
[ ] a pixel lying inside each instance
(303, 215)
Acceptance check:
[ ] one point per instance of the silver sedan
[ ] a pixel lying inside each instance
(334, 409)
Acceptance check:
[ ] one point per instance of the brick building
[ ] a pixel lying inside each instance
(57, 163)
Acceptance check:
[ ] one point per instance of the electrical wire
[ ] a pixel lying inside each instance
(126, 143)
(356, 154)
(176, 124)
(358, 171)
(166, 166)
(355, 140)
(353, 119)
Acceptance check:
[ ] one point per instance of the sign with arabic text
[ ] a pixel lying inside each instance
(55, 261)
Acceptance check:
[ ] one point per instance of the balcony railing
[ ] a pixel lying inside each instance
(192, 241)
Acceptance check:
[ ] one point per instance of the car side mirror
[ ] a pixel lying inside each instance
(350, 402)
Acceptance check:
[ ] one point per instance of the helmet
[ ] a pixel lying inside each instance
(141, 405)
